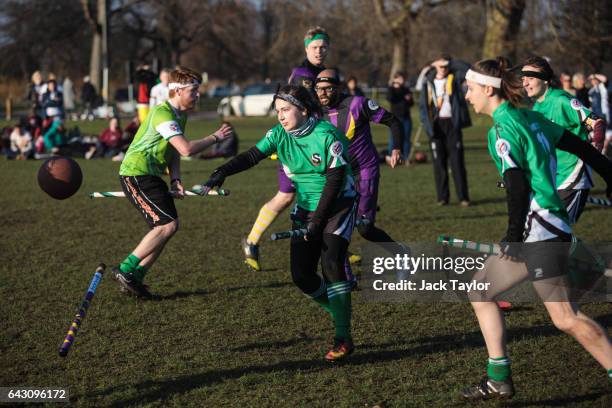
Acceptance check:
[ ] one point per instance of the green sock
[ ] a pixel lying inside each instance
(139, 273)
(320, 296)
(498, 368)
(129, 264)
(323, 301)
(339, 295)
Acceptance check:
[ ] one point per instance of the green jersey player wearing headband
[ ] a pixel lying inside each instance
(156, 149)
(316, 46)
(314, 155)
(522, 145)
(573, 176)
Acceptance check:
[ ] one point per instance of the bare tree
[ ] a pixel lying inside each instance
(503, 24)
(398, 16)
(397, 20)
(96, 21)
(98, 13)
(38, 34)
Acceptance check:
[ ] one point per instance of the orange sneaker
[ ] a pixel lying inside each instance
(341, 350)
(503, 305)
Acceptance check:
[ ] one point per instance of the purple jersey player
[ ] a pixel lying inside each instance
(352, 115)
(316, 45)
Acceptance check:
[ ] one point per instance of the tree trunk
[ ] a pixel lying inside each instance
(503, 23)
(95, 60)
(398, 24)
(398, 60)
(95, 57)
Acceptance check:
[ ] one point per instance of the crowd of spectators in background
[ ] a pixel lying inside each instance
(596, 97)
(44, 131)
(52, 102)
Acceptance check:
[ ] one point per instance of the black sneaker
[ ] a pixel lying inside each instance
(251, 255)
(489, 388)
(130, 286)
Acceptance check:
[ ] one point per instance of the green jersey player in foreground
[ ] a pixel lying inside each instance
(156, 149)
(573, 176)
(313, 154)
(522, 145)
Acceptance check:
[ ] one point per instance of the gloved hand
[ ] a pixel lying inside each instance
(314, 231)
(510, 250)
(598, 136)
(216, 179)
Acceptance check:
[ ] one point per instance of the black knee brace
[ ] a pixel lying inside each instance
(365, 229)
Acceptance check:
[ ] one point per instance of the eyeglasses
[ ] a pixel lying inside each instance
(326, 89)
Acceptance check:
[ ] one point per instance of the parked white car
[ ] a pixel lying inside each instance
(255, 100)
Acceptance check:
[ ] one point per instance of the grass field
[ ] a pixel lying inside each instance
(224, 336)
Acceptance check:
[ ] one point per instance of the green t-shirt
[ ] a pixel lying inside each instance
(306, 159)
(524, 139)
(150, 151)
(567, 111)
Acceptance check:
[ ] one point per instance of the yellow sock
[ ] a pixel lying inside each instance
(263, 221)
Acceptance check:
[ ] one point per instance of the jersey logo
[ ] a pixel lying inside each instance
(173, 126)
(373, 105)
(307, 83)
(316, 159)
(575, 104)
(269, 133)
(336, 149)
(502, 147)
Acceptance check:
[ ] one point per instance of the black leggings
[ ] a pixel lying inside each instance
(305, 255)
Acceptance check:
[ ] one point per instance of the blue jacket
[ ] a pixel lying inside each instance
(428, 109)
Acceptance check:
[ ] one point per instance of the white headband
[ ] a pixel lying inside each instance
(483, 79)
(176, 85)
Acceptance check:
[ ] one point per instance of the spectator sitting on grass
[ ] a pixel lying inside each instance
(130, 132)
(35, 126)
(21, 142)
(128, 135)
(5, 140)
(54, 137)
(109, 141)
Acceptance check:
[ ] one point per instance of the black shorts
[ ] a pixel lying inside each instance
(574, 201)
(546, 259)
(150, 195)
(340, 222)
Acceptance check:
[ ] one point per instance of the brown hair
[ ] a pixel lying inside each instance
(312, 31)
(304, 96)
(542, 64)
(183, 75)
(511, 84)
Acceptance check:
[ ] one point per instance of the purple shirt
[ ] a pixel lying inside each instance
(305, 75)
(353, 115)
